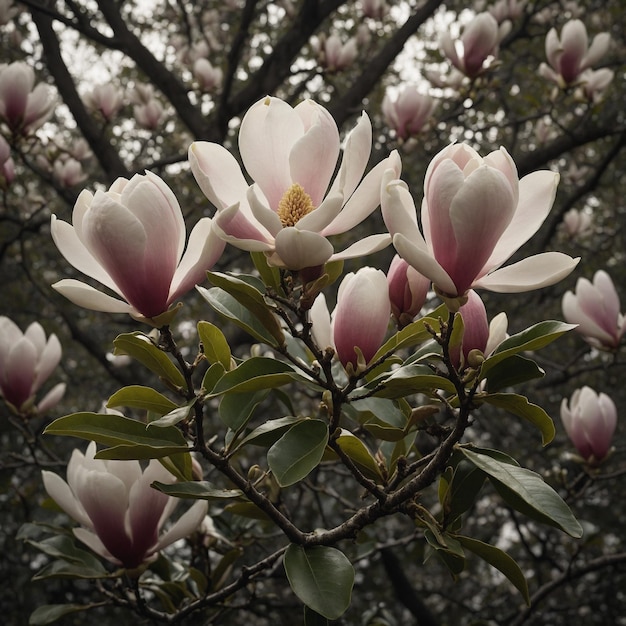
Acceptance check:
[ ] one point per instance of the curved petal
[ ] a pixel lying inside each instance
(319, 317)
(217, 173)
(356, 155)
(61, 493)
(234, 227)
(52, 398)
(536, 196)
(89, 298)
(76, 254)
(48, 360)
(534, 272)
(367, 195)
(298, 249)
(92, 541)
(267, 134)
(185, 525)
(261, 213)
(19, 377)
(398, 209)
(203, 250)
(363, 247)
(418, 256)
(324, 214)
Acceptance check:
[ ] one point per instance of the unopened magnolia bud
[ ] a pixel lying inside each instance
(475, 358)
(255, 473)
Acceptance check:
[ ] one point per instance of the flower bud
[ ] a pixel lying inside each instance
(407, 291)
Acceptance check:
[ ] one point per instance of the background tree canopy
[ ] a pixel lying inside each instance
(135, 83)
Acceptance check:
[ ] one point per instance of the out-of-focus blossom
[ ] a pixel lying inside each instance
(142, 93)
(504, 10)
(479, 336)
(291, 155)
(593, 83)
(148, 115)
(26, 361)
(80, 150)
(478, 45)
(595, 307)
(7, 11)
(408, 112)
(209, 78)
(544, 130)
(121, 515)
(589, 421)
(131, 239)
(107, 99)
(475, 215)
(374, 9)
(24, 107)
(577, 224)
(7, 166)
(407, 291)
(68, 172)
(569, 55)
(360, 318)
(452, 79)
(335, 55)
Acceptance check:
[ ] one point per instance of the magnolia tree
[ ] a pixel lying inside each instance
(377, 382)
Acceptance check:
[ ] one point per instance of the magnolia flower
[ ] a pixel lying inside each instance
(475, 215)
(479, 335)
(7, 166)
(148, 115)
(209, 78)
(477, 46)
(26, 361)
(408, 112)
(589, 421)
(593, 83)
(107, 99)
(577, 223)
(570, 55)
(23, 106)
(291, 154)
(596, 309)
(374, 9)
(336, 55)
(407, 291)
(68, 172)
(120, 513)
(507, 9)
(360, 318)
(131, 239)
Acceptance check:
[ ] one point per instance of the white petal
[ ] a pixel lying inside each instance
(534, 272)
(52, 398)
(185, 525)
(363, 247)
(299, 249)
(323, 215)
(261, 213)
(61, 493)
(319, 317)
(89, 298)
(92, 541)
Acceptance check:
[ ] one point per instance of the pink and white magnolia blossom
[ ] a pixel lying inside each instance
(593, 83)
(335, 55)
(407, 291)
(209, 78)
(24, 107)
(107, 99)
(477, 46)
(571, 54)
(589, 420)
(577, 223)
(475, 215)
(121, 515)
(7, 166)
(148, 115)
(408, 112)
(479, 334)
(27, 360)
(595, 307)
(292, 207)
(68, 172)
(360, 318)
(131, 239)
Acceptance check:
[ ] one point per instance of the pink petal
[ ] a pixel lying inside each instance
(87, 297)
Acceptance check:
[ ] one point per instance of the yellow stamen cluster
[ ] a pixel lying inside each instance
(294, 205)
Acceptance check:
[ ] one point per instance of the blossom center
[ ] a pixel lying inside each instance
(294, 205)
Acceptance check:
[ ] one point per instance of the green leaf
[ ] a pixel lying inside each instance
(212, 376)
(252, 299)
(139, 397)
(321, 577)
(467, 481)
(270, 431)
(358, 453)
(254, 374)
(298, 451)
(236, 409)
(532, 338)
(214, 344)
(520, 406)
(229, 308)
(49, 613)
(196, 490)
(526, 492)
(62, 547)
(175, 416)
(407, 380)
(270, 274)
(311, 618)
(500, 560)
(63, 569)
(512, 371)
(111, 430)
(140, 347)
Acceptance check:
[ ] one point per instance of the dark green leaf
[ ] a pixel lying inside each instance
(358, 453)
(407, 380)
(140, 347)
(172, 418)
(49, 613)
(322, 577)
(298, 451)
(526, 492)
(196, 490)
(237, 408)
(214, 344)
(311, 618)
(269, 432)
(138, 397)
(512, 371)
(500, 560)
(519, 405)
